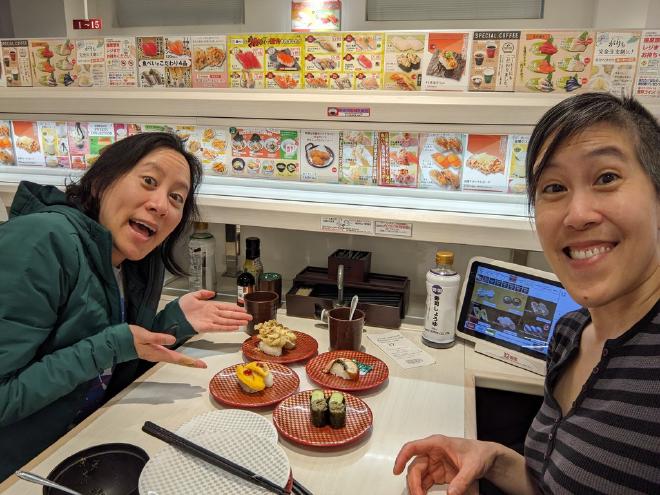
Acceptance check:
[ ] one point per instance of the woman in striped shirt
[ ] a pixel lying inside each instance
(593, 170)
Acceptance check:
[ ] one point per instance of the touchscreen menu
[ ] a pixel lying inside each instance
(517, 311)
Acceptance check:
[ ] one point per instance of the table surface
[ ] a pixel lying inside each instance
(412, 403)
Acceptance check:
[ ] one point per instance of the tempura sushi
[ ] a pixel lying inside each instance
(337, 408)
(343, 368)
(318, 408)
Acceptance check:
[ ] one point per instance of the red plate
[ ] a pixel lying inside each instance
(374, 378)
(224, 387)
(306, 347)
(292, 418)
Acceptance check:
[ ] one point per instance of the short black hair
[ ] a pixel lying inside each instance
(577, 114)
(115, 161)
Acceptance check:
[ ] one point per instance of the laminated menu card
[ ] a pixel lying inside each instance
(54, 143)
(647, 82)
(322, 61)
(247, 61)
(517, 154)
(3, 69)
(319, 156)
(493, 60)
(485, 163)
(441, 160)
(6, 144)
(398, 159)
(362, 61)
(287, 167)
(254, 151)
(16, 63)
(151, 61)
(121, 131)
(210, 144)
(53, 62)
(403, 61)
(27, 149)
(445, 61)
(284, 57)
(90, 67)
(86, 140)
(209, 61)
(121, 62)
(554, 61)
(615, 61)
(178, 62)
(357, 158)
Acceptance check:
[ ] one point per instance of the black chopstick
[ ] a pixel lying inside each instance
(211, 457)
(298, 489)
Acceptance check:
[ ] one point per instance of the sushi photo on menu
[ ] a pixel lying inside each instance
(284, 61)
(178, 62)
(246, 61)
(362, 61)
(16, 62)
(151, 61)
(493, 60)
(441, 160)
(7, 156)
(398, 159)
(319, 160)
(444, 65)
(322, 60)
(485, 163)
(615, 60)
(121, 62)
(27, 149)
(403, 61)
(209, 61)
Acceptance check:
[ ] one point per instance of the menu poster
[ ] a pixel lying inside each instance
(209, 61)
(615, 61)
(133, 129)
(362, 62)
(441, 161)
(211, 145)
(357, 158)
(121, 62)
(398, 159)
(254, 151)
(283, 61)
(78, 144)
(403, 60)
(315, 15)
(493, 60)
(485, 163)
(246, 61)
(517, 154)
(322, 62)
(121, 131)
(53, 62)
(288, 166)
(648, 70)
(178, 62)
(101, 134)
(554, 61)
(444, 65)
(151, 61)
(54, 143)
(6, 146)
(16, 63)
(320, 156)
(3, 68)
(90, 65)
(26, 144)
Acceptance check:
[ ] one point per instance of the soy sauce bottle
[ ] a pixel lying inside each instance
(245, 284)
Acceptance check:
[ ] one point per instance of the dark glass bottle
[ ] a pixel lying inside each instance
(253, 259)
(245, 284)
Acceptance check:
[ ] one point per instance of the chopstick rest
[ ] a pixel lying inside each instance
(210, 457)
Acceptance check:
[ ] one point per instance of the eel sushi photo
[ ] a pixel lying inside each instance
(319, 408)
(337, 408)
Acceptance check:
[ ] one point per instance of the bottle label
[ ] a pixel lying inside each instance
(239, 296)
(440, 313)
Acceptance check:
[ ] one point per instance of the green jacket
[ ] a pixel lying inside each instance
(60, 320)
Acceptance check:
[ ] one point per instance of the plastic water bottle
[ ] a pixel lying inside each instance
(442, 286)
(201, 250)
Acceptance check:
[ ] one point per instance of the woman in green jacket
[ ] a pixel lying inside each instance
(82, 272)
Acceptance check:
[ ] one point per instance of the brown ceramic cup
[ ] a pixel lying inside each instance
(262, 306)
(345, 334)
(272, 282)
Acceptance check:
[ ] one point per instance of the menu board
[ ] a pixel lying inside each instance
(54, 143)
(319, 161)
(648, 70)
(517, 154)
(151, 61)
(288, 165)
(246, 61)
(90, 66)
(121, 131)
(398, 159)
(485, 163)
(284, 54)
(444, 65)
(403, 60)
(6, 145)
(554, 61)
(493, 60)
(441, 160)
(26, 143)
(121, 62)
(16, 63)
(264, 153)
(53, 62)
(209, 61)
(315, 15)
(322, 61)
(362, 61)
(87, 139)
(357, 158)
(615, 61)
(178, 62)
(210, 144)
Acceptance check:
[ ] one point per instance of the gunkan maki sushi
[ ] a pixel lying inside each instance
(337, 407)
(319, 408)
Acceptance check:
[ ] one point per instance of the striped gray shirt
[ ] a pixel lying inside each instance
(609, 442)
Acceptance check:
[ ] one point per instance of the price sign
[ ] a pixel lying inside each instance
(87, 24)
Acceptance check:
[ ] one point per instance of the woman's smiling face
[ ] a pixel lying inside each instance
(597, 216)
(145, 205)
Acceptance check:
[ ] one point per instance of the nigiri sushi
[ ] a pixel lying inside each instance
(318, 408)
(337, 409)
(343, 368)
(254, 377)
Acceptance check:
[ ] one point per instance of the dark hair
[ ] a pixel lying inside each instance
(116, 161)
(578, 113)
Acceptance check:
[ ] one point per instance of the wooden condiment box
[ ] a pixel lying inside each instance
(357, 265)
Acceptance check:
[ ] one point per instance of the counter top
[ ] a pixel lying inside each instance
(412, 403)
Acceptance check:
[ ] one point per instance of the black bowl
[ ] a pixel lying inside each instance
(107, 469)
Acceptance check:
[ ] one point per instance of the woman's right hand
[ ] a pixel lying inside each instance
(439, 460)
(150, 346)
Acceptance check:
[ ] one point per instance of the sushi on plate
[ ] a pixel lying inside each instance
(254, 377)
(343, 368)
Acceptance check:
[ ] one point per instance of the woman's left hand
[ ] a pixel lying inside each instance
(211, 316)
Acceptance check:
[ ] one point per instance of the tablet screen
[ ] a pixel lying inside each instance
(513, 309)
